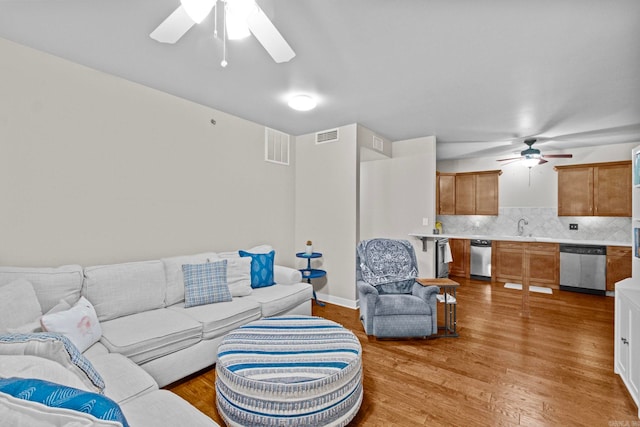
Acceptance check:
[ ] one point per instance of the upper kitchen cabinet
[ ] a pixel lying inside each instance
(487, 193)
(595, 189)
(445, 193)
(465, 194)
(477, 193)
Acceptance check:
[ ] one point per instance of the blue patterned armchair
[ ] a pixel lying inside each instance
(392, 303)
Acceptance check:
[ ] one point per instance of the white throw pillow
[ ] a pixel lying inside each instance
(239, 276)
(18, 305)
(79, 324)
(260, 249)
(35, 326)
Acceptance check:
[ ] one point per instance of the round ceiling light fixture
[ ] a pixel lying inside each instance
(302, 103)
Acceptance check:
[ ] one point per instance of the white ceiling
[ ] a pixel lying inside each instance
(477, 74)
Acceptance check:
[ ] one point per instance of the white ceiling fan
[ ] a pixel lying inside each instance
(241, 18)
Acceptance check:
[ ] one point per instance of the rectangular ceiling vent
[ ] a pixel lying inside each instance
(276, 146)
(378, 143)
(327, 136)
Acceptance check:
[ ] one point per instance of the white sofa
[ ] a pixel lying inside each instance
(149, 339)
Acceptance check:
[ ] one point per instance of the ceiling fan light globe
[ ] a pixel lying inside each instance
(237, 13)
(530, 162)
(198, 9)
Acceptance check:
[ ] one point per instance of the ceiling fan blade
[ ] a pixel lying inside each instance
(558, 156)
(511, 158)
(174, 27)
(269, 37)
(542, 161)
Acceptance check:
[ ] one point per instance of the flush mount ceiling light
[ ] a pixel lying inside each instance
(302, 103)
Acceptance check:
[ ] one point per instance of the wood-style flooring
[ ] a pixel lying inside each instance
(554, 368)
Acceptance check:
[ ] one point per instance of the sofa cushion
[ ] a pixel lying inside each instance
(174, 277)
(161, 408)
(261, 268)
(20, 412)
(123, 379)
(205, 283)
(121, 289)
(51, 284)
(277, 299)
(218, 319)
(60, 396)
(79, 323)
(19, 305)
(24, 366)
(55, 347)
(151, 334)
(239, 276)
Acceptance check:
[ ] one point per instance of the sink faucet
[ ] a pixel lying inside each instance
(521, 223)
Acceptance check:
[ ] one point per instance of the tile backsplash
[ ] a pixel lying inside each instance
(542, 222)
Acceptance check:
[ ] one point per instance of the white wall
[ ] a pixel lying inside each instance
(326, 197)
(96, 169)
(397, 193)
(516, 190)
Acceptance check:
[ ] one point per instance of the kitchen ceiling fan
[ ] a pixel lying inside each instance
(240, 19)
(531, 157)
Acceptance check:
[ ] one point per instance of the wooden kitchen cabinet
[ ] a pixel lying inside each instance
(460, 249)
(595, 189)
(508, 261)
(476, 193)
(618, 265)
(544, 261)
(612, 189)
(466, 194)
(487, 193)
(445, 193)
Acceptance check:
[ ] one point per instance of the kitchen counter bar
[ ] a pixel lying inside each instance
(521, 239)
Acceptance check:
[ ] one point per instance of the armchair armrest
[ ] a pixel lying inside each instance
(425, 292)
(286, 275)
(367, 295)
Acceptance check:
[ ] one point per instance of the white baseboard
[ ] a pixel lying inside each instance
(353, 304)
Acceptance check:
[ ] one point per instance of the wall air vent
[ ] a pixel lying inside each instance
(327, 136)
(276, 146)
(378, 143)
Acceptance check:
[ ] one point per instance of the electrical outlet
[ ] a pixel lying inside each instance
(425, 221)
(573, 226)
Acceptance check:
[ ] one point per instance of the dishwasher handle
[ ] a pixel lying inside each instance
(583, 249)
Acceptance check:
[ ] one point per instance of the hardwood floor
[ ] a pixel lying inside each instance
(554, 368)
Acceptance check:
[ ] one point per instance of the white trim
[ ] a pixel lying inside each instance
(348, 303)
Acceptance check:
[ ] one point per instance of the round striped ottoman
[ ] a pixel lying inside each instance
(289, 371)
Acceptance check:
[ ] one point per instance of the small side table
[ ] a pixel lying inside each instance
(448, 298)
(311, 273)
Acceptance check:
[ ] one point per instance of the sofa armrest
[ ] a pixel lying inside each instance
(286, 275)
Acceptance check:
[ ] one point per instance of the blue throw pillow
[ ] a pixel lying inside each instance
(205, 283)
(59, 396)
(261, 268)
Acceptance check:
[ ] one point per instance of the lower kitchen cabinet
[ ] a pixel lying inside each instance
(460, 253)
(544, 261)
(627, 336)
(508, 261)
(618, 265)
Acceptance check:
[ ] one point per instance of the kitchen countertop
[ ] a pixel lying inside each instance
(522, 239)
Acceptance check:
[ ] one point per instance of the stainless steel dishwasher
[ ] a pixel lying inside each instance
(480, 259)
(583, 268)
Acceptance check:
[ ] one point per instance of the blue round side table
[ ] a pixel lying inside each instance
(311, 273)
